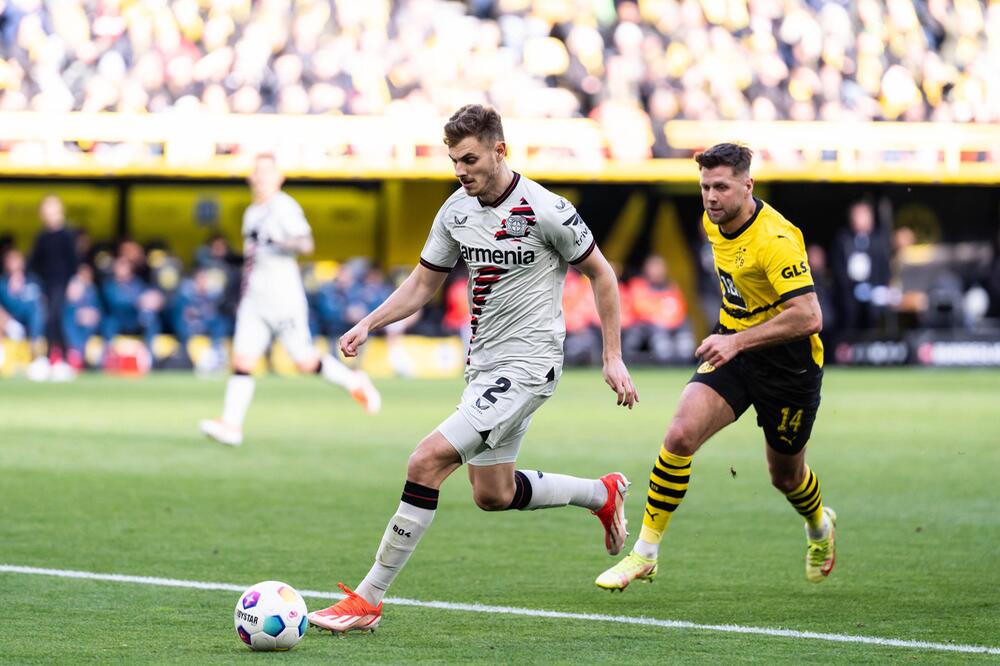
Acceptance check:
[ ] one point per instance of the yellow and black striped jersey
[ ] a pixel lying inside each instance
(760, 266)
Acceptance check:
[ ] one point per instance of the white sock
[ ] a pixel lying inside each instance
(337, 373)
(815, 535)
(551, 490)
(399, 541)
(646, 549)
(239, 393)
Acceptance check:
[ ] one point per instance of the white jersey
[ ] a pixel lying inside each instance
(271, 274)
(517, 249)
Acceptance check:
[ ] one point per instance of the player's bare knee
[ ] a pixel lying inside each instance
(681, 439)
(421, 468)
(307, 367)
(492, 500)
(784, 480)
(242, 368)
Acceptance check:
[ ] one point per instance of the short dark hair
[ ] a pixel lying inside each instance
(482, 122)
(725, 154)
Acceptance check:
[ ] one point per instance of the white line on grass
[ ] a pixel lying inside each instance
(508, 610)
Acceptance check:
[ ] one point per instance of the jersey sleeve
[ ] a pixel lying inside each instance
(565, 230)
(441, 250)
(786, 265)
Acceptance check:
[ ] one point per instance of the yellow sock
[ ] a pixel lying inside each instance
(667, 484)
(808, 501)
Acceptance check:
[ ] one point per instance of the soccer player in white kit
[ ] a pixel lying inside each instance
(273, 304)
(517, 239)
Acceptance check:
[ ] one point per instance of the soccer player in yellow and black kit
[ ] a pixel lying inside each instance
(764, 352)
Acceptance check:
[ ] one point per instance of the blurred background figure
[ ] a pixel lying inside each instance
(274, 304)
(659, 328)
(81, 315)
(991, 280)
(217, 255)
(860, 260)
(133, 307)
(331, 302)
(824, 283)
(457, 319)
(197, 311)
(583, 333)
(21, 298)
(53, 262)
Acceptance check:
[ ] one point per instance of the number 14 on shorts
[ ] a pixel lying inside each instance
(792, 423)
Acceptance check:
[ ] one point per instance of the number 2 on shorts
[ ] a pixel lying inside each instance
(502, 385)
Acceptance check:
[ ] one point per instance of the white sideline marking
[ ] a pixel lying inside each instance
(508, 610)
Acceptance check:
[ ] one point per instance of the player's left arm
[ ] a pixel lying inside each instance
(604, 282)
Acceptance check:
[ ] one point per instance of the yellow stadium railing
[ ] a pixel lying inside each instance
(179, 144)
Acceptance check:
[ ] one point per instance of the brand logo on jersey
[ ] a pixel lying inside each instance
(459, 221)
(579, 228)
(705, 368)
(561, 204)
(497, 256)
(795, 270)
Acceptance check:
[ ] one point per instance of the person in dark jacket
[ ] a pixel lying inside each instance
(860, 263)
(53, 262)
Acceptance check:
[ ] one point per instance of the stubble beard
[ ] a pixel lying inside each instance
(489, 183)
(727, 216)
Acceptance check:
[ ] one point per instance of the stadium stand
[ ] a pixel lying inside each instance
(763, 60)
(598, 92)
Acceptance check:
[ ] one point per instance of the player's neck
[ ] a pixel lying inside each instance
(264, 197)
(746, 212)
(500, 184)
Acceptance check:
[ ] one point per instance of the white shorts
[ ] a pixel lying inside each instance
(257, 325)
(493, 415)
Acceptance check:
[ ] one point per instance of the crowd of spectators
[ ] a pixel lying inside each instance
(630, 65)
(67, 291)
(125, 288)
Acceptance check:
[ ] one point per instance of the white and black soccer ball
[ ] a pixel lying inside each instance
(271, 616)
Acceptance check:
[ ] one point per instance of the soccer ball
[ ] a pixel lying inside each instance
(270, 616)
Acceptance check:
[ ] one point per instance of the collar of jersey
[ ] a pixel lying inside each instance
(506, 193)
(745, 225)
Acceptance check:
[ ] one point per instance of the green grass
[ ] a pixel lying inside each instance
(110, 475)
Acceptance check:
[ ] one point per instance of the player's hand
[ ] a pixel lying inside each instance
(353, 339)
(617, 377)
(718, 349)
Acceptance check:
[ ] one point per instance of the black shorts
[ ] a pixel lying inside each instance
(786, 402)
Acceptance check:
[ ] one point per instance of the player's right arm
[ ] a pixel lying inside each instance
(409, 297)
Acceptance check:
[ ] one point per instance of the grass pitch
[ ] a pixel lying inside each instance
(111, 476)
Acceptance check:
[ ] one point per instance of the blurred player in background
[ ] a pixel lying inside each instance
(764, 352)
(517, 239)
(273, 303)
